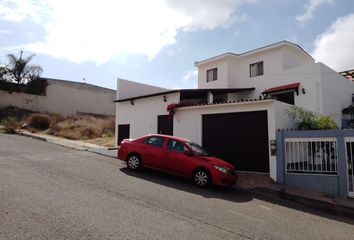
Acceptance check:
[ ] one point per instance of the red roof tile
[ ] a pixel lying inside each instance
(293, 86)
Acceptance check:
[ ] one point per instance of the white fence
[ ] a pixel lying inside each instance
(311, 155)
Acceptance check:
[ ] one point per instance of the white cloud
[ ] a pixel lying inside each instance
(335, 47)
(3, 31)
(97, 31)
(190, 75)
(18, 10)
(310, 9)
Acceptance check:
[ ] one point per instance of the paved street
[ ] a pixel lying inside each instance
(52, 192)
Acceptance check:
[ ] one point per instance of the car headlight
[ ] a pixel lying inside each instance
(221, 169)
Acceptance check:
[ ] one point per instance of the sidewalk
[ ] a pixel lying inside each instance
(262, 183)
(78, 145)
(252, 182)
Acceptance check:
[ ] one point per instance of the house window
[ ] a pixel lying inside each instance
(212, 74)
(220, 97)
(287, 97)
(256, 69)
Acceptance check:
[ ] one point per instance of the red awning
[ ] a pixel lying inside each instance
(293, 86)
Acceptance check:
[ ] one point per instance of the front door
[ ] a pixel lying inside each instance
(165, 124)
(350, 171)
(123, 132)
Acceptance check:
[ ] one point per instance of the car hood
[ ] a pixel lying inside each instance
(218, 162)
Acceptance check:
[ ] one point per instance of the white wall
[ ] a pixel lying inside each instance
(337, 93)
(129, 89)
(285, 65)
(64, 97)
(282, 119)
(222, 76)
(142, 116)
(188, 121)
(291, 57)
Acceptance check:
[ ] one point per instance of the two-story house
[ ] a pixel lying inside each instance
(239, 104)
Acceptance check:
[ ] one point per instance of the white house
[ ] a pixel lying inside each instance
(239, 103)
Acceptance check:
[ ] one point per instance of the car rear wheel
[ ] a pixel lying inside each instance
(133, 162)
(201, 178)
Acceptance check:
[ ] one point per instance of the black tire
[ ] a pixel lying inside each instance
(201, 177)
(133, 162)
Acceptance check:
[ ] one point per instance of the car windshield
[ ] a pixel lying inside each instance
(198, 149)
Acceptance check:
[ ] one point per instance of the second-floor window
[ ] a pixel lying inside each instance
(256, 69)
(212, 74)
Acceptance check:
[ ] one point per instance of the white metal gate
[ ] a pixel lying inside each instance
(349, 144)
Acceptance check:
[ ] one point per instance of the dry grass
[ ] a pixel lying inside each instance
(94, 129)
(84, 127)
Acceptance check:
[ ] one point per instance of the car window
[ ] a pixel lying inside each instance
(176, 146)
(155, 141)
(198, 149)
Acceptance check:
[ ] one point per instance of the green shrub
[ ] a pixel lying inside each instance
(37, 86)
(325, 122)
(10, 124)
(308, 120)
(39, 122)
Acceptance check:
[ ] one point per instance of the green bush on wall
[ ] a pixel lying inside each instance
(36, 86)
(308, 120)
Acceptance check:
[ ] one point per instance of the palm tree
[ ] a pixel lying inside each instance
(20, 71)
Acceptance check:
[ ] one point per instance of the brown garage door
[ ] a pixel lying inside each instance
(239, 138)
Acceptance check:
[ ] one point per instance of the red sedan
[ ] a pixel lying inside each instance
(177, 156)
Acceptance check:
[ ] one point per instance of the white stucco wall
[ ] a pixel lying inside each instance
(292, 57)
(129, 89)
(337, 93)
(282, 119)
(64, 97)
(285, 65)
(188, 121)
(142, 116)
(221, 82)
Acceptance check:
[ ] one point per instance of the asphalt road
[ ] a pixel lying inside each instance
(52, 192)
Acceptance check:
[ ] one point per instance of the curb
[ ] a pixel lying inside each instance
(32, 136)
(329, 206)
(49, 141)
(102, 154)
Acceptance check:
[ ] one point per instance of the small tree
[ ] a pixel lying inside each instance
(19, 70)
(349, 111)
(3, 72)
(308, 120)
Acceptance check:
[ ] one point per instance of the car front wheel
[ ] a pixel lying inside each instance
(201, 178)
(133, 162)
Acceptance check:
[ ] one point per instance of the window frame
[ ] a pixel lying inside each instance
(259, 71)
(214, 74)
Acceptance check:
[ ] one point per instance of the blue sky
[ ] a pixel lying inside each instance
(157, 41)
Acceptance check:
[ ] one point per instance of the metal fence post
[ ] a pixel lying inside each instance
(342, 168)
(280, 157)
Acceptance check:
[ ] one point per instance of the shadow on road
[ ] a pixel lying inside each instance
(183, 184)
(231, 194)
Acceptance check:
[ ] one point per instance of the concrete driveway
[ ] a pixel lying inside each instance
(52, 192)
